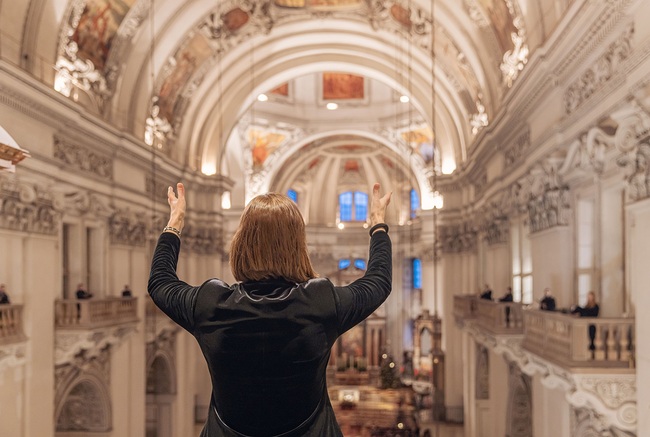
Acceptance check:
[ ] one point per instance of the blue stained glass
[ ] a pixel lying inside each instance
(417, 273)
(360, 206)
(415, 203)
(345, 206)
(344, 263)
(293, 195)
(360, 264)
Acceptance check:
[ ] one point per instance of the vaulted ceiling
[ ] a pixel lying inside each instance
(185, 76)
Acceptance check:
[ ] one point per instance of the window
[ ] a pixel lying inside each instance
(415, 203)
(522, 266)
(360, 264)
(417, 273)
(353, 204)
(344, 264)
(293, 195)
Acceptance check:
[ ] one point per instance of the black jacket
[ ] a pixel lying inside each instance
(267, 343)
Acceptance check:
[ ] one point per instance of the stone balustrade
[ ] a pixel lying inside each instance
(95, 312)
(11, 324)
(500, 317)
(579, 342)
(465, 307)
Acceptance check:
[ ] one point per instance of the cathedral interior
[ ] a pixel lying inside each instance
(513, 134)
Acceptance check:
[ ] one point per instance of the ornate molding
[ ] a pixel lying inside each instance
(203, 239)
(85, 203)
(12, 355)
(128, 228)
(83, 158)
(518, 149)
(610, 397)
(28, 208)
(69, 345)
(600, 72)
(457, 238)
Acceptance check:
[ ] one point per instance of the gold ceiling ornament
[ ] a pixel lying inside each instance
(10, 152)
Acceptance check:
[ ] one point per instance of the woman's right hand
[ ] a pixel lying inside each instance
(378, 206)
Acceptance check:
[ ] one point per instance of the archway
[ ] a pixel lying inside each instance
(161, 392)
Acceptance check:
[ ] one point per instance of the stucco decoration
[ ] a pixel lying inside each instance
(586, 423)
(203, 239)
(82, 397)
(457, 238)
(82, 158)
(70, 345)
(482, 373)
(28, 208)
(519, 421)
(495, 225)
(600, 72)
(127, 228)
(84, 60)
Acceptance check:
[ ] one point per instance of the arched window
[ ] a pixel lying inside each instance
(417, 273)
(292, 194)
(415, 203)
(353, 206)
(360, 264)
(344, 263)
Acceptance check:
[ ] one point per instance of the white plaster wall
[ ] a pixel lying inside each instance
(552, 254)
(551, 411)
(638, 254)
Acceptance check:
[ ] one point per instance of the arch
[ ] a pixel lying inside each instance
(160, 376)
(85, 406)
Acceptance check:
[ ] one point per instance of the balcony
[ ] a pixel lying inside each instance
(575, 342)
(95, 313)
(500, 318)
(465, 307)
(11, 324)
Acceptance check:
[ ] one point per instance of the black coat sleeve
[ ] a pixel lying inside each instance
(173, 296)
(358, 300)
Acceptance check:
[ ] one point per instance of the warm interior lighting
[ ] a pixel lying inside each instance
(10, 152)
(262, 97)
(438, 200)
(209, 168)
(448, 166)
(340, 226)
(225, 200)
(404, 99)
(332, 106)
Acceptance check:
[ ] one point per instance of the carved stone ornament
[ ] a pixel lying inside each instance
(69, 344)
(81, 158)
(600, 72)
(12, 355)
(518, 149)
(85, 203)
(204, 240)
(457, 238)
(127, 228)
(496, 230)
(587, 423)
(82, 395)
(28, 208)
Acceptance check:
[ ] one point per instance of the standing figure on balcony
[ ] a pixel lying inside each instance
(548, 301)
(4, 297)
(487, 293)
(590, 310)
(267, 339)
(508, 296)
(82, 293)
(126, 292)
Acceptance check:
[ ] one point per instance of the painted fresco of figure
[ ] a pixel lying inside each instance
(342, 86)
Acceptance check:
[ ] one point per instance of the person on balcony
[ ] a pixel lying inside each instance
(267, 339)
(126, 292)
(82, 293)
(487, 293)
(548, 301)
(591, 309)
(4, 297)
(508, 296)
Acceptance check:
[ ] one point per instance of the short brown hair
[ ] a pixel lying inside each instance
(271, 242)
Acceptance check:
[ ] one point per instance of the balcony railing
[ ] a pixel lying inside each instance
(95, 313)
(500, 317)
(465, 307)
(11, 324)
(577, 342)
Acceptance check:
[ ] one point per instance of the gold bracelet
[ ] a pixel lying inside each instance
(172, 229)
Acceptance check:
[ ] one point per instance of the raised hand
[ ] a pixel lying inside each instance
(177, 206)
(378, 205)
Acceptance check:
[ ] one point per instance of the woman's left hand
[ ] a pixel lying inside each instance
(177, 206)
